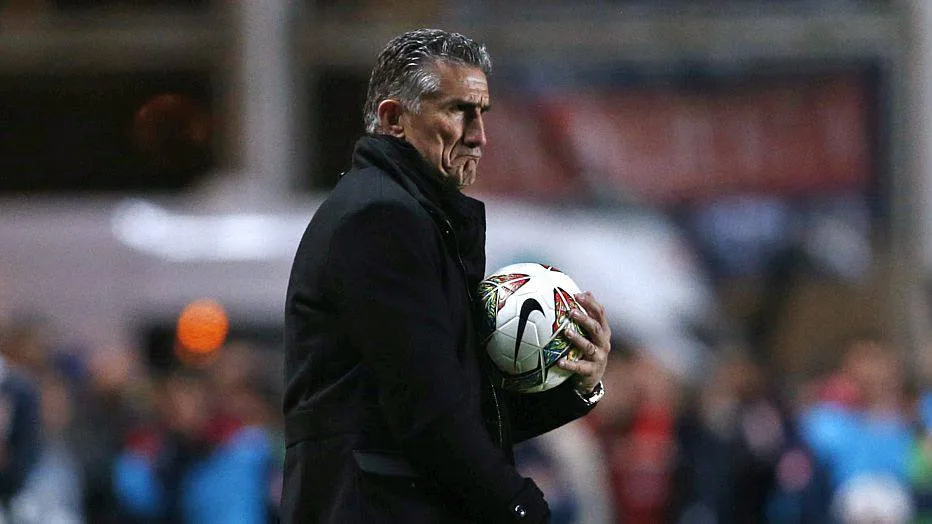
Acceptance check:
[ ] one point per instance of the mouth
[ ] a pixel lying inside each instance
(470, 153)
(462, 161)
(464, 169)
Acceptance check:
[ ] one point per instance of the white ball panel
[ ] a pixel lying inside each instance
(530, 335)
(501, 349)
(541, 287)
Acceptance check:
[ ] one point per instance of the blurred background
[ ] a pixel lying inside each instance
(744, 184)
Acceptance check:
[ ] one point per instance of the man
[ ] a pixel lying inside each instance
(390, 414)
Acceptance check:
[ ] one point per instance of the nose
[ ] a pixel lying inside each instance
(475, 131)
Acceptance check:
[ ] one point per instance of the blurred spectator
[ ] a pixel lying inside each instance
(110, 402)
(921, 459)
(240, 381)
(739, 459)
(197, 465)
(53, 493)
(860, 431)
(870, 499)
(636, 432)
(19, 410)
(19, 430)
(26, 346)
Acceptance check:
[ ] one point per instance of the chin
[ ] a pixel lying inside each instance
(466, 179)
(466, 175)
(461, 177)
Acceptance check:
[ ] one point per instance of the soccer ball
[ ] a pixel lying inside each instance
(526, 309)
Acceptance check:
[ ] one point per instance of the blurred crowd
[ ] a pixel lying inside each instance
(103, 436)
(850, 443)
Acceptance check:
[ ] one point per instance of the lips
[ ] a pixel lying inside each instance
(471, 153)
(465, 159)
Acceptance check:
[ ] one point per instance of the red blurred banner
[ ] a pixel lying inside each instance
(787, 136)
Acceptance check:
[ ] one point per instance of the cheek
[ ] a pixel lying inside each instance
(439, 134)
(449, 134)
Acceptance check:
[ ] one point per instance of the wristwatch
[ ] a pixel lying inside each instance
(593, 396)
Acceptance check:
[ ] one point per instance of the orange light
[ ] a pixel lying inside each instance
(202, 326)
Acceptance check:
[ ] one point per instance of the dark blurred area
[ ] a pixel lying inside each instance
(738, 181)
(127, 132)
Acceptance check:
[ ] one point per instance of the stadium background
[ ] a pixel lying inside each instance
(743, 183)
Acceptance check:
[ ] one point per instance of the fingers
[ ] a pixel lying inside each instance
(591, 305)
(588, 372)
(589, 325)
(581, 366)
(589, 349)
(595, 321)
(595, 347)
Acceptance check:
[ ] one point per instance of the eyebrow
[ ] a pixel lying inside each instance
(463, 102)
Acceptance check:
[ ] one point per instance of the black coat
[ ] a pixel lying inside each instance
(390, 415)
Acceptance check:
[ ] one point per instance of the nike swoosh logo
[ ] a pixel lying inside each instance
(530, 305)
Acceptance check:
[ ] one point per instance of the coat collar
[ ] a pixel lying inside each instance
(406, 164)
(440, 196)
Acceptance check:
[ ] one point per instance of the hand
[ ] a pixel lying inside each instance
(591, 365)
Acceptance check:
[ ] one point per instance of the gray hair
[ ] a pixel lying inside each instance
(405, 69)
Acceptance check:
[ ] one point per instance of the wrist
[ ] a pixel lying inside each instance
(593, 395)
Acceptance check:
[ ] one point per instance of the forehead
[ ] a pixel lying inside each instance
(462, 82)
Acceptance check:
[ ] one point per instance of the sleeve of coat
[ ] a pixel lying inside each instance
(385, 265)
(537, 413)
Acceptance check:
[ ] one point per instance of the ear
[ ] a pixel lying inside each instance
(390, 112)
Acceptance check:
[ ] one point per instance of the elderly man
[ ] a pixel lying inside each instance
(391, 414)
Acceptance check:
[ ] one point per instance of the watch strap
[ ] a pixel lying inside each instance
(593, 396)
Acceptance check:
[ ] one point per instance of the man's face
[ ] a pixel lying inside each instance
(449, 130)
